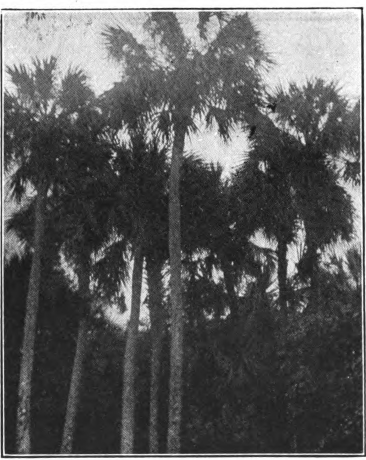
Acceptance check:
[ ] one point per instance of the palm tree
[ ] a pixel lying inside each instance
(84, 213)
(325, 125)
(199, 187)
(210, 229)
(148, 186)
(34, 141)
(265, 194)
(156, 254)
(219, 80)
(79, 222)
(141, 168)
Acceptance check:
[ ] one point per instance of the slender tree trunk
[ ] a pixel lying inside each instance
(281, 409)
(230, 288)
(30, 323)
(128, 396)
(154, 274)
(282, 273)
(176, 349)
(77, 370)
(312, 269)
(314, 289)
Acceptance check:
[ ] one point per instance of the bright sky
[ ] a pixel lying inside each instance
(304, 43)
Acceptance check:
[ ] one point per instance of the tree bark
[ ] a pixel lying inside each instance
(128, 396)
(176, 349)
(30, 323)
(282, 273)
(155, 282)
(77, 370)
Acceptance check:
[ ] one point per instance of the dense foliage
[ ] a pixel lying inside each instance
(270, 348)
(297, 391)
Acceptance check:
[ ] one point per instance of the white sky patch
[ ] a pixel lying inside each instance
(304, 44)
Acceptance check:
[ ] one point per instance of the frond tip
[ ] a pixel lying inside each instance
(74, 90)
(124, 48)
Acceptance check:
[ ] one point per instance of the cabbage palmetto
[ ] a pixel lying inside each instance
(37, 107)
(175, 82)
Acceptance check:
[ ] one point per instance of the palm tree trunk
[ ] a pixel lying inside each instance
(282, 273)
(154, 274)
(77, 370)
(230, 289)
(128, 396)
(176, 349)
(26, 365)
(74, 392)
(311, 268)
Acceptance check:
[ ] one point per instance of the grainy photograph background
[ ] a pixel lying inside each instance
(183, 242)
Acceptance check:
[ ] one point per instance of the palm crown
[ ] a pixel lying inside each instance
(221, 81)
(37, 113)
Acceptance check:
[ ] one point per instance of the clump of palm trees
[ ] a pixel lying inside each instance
(99, 200)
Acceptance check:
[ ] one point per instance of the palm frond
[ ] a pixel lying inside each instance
(19, 181)
(23, 80)
(165, 26)
(124, 48)
(14, 247)
(112, 270)
(16, 237)
(239, 33)
(44, 79)
(74, 92)
(354, 263)
(229, 72)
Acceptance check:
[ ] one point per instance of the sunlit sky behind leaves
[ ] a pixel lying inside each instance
(303, 43)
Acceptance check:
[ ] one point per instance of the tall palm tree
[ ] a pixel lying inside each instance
(79, 222)
(156, 254)
(141, 168)
(83, 213)
(176, 82)
(35, 111)
(199, 199)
